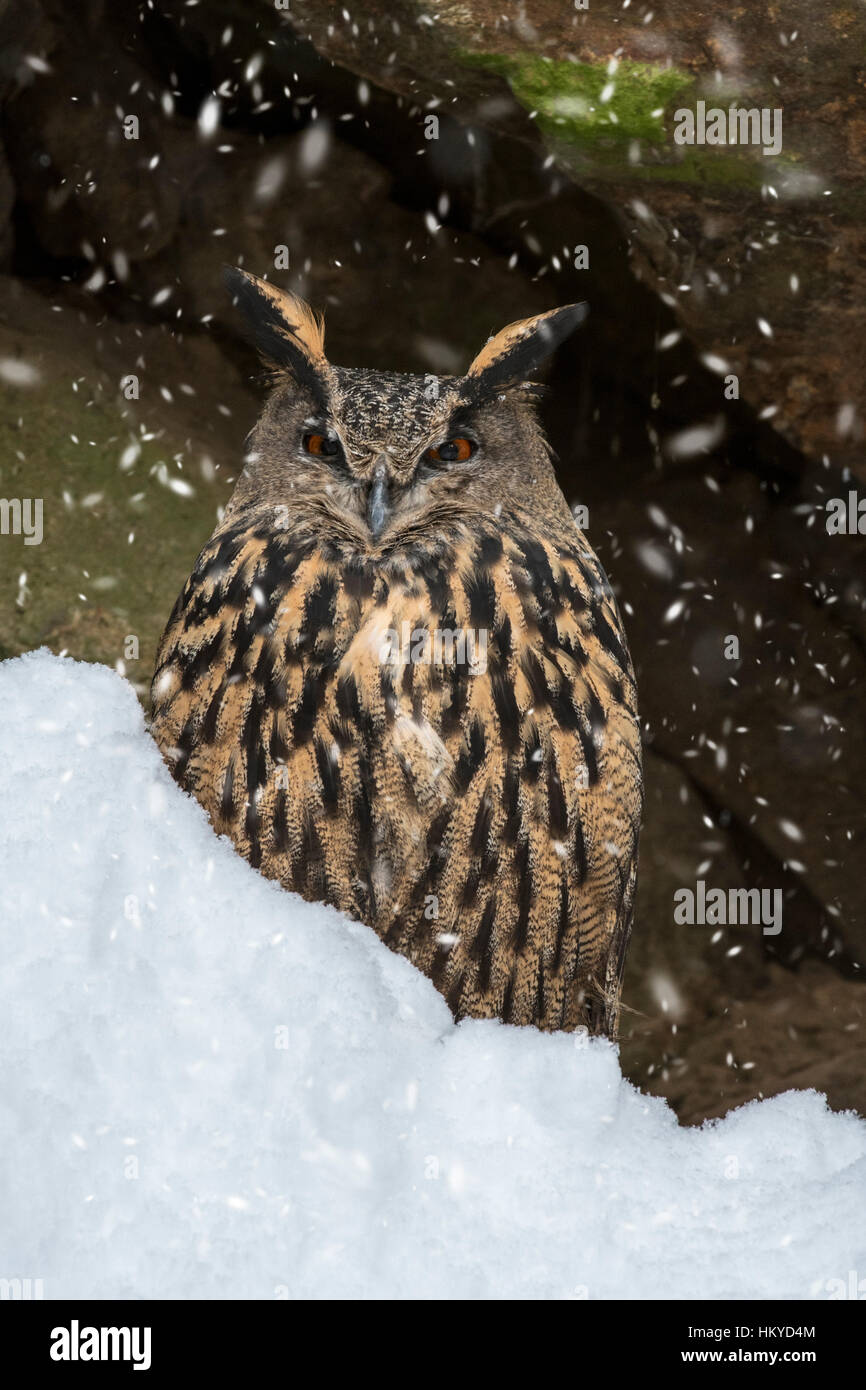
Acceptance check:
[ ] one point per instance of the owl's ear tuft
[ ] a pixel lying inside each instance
(289, 336)
(515, 352)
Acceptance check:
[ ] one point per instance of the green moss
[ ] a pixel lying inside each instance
(88, 585)
(598, 136)
(568, 96)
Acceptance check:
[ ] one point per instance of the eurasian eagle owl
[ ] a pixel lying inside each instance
(397, 676)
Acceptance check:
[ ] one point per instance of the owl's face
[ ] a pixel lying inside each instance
(376, 454)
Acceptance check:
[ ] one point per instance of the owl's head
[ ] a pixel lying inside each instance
(377, 453)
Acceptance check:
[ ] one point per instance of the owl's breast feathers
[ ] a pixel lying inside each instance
(441, 741)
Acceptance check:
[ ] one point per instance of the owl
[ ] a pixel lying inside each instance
(397, 676)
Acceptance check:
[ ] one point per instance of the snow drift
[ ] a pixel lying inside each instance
(212, 1089)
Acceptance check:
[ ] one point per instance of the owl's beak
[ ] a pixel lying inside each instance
(378, 508)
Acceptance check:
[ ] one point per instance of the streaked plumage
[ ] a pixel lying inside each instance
(483, 822)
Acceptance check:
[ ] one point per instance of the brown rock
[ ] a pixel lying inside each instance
(712, 239)
(90, 191)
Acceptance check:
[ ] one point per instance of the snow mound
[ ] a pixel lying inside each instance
(213, 1089)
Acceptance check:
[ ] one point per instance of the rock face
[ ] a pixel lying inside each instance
(88, 157)
(298, 146)
(762, 256)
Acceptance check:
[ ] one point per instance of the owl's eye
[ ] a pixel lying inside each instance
(453, 450)
(321, 444)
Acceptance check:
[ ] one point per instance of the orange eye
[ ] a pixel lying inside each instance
(453, 451)
(321, 444)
